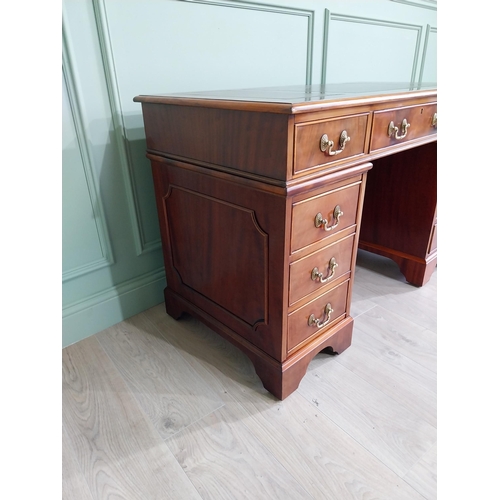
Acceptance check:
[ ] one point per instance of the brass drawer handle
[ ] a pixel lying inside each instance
(327, 145)
(434, 121)
(319, 221)
(394, 130)
(315, 274)
(312, 321)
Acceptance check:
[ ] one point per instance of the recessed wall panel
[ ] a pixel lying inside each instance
(80, 237)
(429, 58)
(374, 50)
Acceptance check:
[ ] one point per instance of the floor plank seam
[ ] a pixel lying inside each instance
(261, 443)
(423, 328)
(421, 458)
(388, 394)
(318, 407)
(181, 351)
(146, 416)
(412, 319)
(432, 374)
(414, 489)
(362, 313)
(380, 462)
(168, 438)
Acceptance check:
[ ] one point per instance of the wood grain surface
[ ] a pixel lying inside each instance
(118, 449)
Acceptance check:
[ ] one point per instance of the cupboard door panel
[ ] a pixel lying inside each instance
(213, 240)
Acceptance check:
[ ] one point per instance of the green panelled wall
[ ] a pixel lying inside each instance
(115, 49)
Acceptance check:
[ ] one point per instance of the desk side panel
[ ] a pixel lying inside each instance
(223, 245)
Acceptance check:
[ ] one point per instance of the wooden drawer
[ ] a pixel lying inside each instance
(332, 261)
(420, 119)
(301, 324)
(337, 207)
(307, 151)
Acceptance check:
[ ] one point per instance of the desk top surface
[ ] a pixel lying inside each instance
(296, 98)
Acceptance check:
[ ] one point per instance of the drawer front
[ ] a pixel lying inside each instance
(422, 122)
(311, 151)
(323, 216)
(315, 318)
(319, 269)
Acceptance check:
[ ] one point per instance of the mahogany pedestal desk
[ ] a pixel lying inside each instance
(260, 198)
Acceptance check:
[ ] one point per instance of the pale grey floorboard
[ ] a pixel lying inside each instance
(225, 460)
(158, 408)
(361, 299)
(423, 476)
(383, 284)
(415, 308)
(74, 485)
(319, 454)
(393, 332)
(391, 372)
(169, 391)
(385, 427)
(218, 362)
(120, 453)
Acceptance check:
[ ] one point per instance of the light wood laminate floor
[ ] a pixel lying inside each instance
(155, 408)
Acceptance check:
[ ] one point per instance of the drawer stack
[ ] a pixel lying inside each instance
(323, 232)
